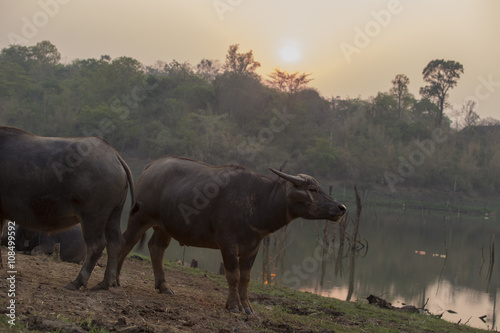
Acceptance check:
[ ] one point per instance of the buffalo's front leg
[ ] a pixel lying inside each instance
(157, 246)
(230, 258)
(245, 266)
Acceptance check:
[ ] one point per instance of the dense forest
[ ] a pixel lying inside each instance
(222, 111)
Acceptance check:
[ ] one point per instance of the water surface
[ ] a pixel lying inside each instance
(440, 262)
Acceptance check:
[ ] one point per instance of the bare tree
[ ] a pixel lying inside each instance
(286, 82)
(470, 116)
(489, 121)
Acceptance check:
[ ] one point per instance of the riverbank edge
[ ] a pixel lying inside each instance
(282, 309)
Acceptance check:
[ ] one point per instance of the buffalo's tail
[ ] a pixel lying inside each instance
(134, 206)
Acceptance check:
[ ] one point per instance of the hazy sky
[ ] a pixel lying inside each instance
(352, 48)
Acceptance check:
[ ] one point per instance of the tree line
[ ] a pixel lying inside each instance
(221, 112)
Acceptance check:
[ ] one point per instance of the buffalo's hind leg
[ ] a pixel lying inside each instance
(114, 244)
(157, 246)
(95, 241)
(136, 228)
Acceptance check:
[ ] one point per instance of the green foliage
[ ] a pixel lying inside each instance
(227, 113)
(321, 156)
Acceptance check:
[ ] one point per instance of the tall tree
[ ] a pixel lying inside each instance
(441, 75)
(400, 90)
(240, 63)
(290, 83)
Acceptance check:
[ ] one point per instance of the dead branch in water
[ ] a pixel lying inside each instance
(358, 215)
(492, 259)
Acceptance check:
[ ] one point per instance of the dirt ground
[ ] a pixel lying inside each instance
(44, 304)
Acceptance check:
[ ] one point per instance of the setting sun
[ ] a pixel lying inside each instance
(290, 51)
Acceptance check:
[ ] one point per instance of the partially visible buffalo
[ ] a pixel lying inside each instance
(229, 208)
(49, 184)
(72, 244)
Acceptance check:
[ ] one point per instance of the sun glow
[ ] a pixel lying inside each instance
(290, 51)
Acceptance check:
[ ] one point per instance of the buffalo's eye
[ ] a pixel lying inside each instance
(312, 188)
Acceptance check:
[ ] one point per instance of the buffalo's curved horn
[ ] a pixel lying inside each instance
(295, 180)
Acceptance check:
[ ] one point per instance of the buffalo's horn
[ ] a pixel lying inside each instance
(295, 180)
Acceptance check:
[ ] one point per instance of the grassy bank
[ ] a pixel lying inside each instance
(198, 307)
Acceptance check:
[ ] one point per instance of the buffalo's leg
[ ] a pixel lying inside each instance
(157, 246)
(114, 244)
(135, 230)
(245, 266)
(96, 241)
(230, 258)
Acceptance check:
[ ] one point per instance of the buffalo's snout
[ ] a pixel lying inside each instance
(342, 208)
(338, 210)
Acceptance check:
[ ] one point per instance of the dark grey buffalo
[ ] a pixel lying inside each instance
(71, 243)
(49, 184)
(229, 208)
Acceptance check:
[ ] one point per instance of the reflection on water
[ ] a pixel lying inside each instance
(469, 305)
(442, 262)
(439, 263)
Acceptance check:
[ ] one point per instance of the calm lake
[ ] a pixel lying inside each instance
(439, 261)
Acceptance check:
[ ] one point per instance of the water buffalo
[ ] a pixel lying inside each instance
(229, 208)
(49, 184)
(72, 244)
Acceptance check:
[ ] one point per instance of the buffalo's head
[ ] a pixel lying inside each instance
(309, 200)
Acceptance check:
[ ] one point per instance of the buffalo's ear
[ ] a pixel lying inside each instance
(299, 196)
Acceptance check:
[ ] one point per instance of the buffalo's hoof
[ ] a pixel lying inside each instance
(72, 286)
(100, 286)
(234, 308)
(249, 311)
(164, 288)
(167, 291)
